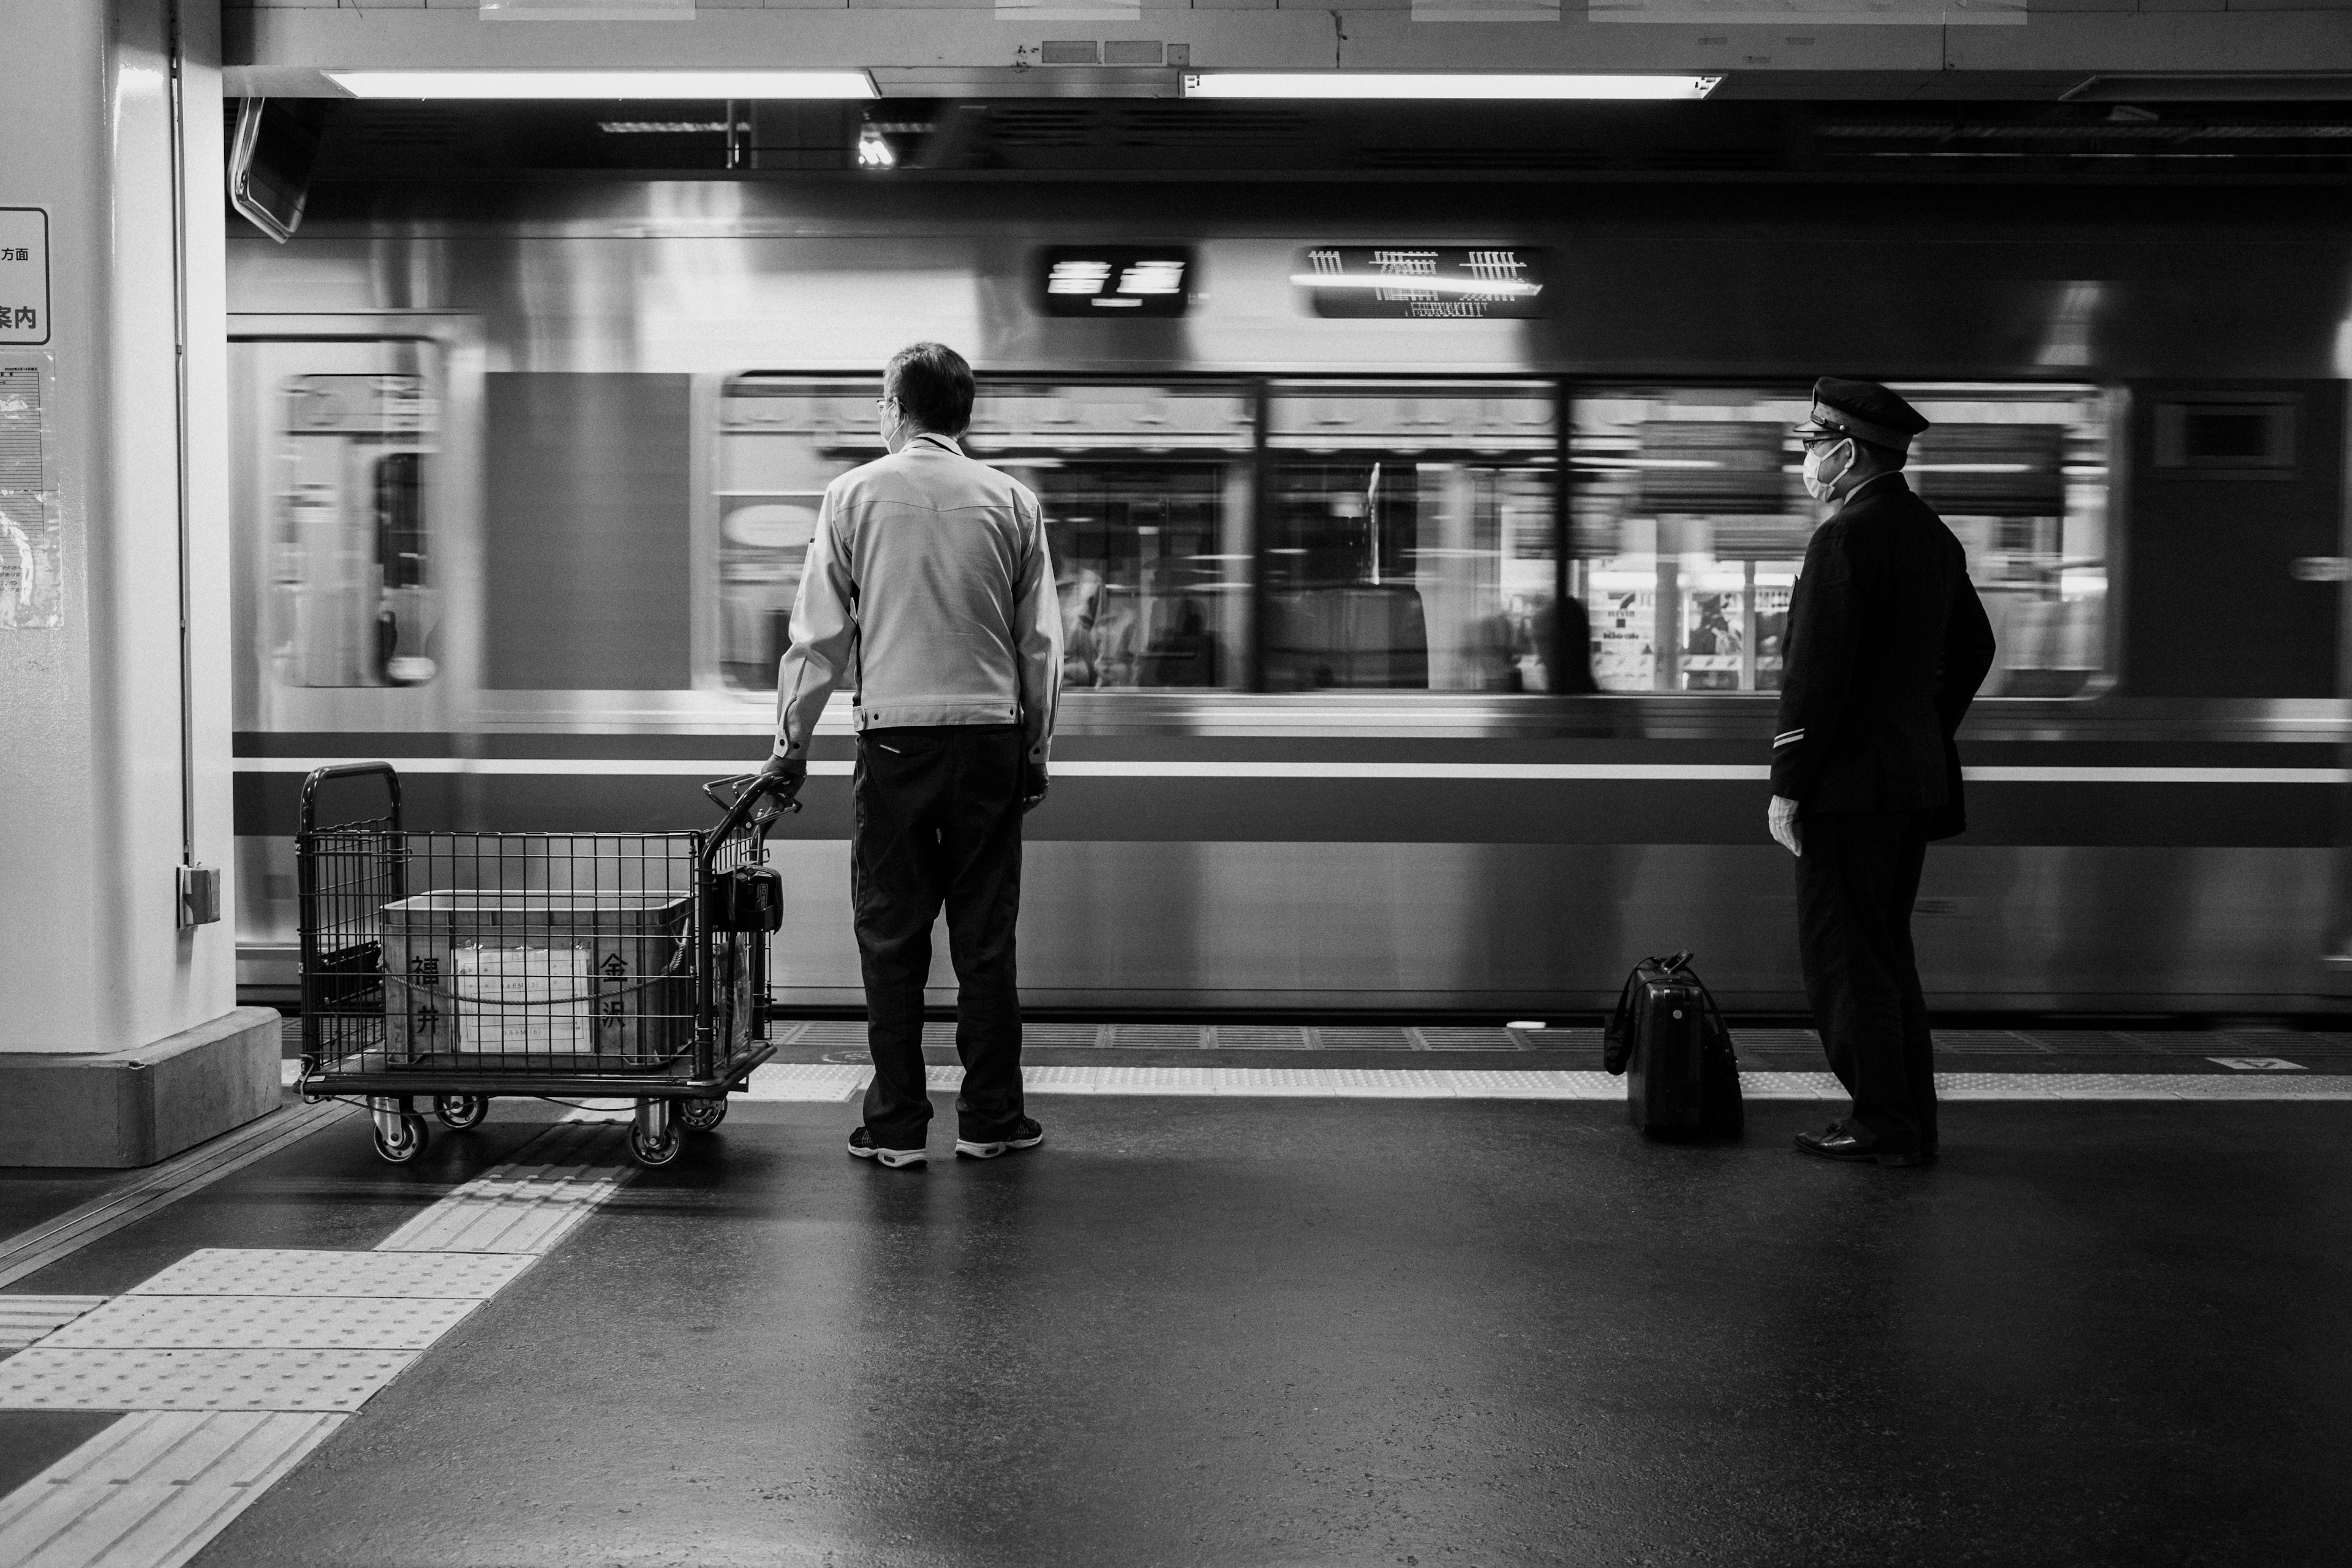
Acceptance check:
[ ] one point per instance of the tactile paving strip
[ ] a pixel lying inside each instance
(824, 1082)
(153, 1487)
(264, 1271)
(46, 1379)
(1445, 1039)
(1155, 1036)
(529, 1204)
(1367, 1040)
(25, 1319)
(1259, 1038)
(1063, 1036)
(263, 1322)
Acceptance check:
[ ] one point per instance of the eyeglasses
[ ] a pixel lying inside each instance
(882, 405)
(1812, 438)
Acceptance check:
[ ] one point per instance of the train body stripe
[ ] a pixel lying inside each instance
(1484, 773)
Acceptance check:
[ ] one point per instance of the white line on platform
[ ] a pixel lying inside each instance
(834, 1083)
(1492, 773)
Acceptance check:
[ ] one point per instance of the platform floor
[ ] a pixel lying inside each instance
(1196, 1329)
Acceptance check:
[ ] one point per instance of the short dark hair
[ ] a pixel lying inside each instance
(933, 386)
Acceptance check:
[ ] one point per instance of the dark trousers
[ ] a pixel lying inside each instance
(938, 821)
(1855, 884)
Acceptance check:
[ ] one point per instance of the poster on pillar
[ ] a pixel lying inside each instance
(32, 595)
(24, 276)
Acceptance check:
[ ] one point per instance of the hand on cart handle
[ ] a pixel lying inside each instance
(773, 799)
(782, 778)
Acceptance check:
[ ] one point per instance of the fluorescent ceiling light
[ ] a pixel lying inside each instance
(1422, 84)
(656, 84)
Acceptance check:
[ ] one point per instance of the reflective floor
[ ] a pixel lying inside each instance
(1203, 1330)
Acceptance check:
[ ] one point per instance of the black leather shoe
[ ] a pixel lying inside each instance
(1837, 1144)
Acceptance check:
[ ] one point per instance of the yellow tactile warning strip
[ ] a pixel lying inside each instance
(34, 1249)
(153, 1488)
(260, 1323)
(835, 1082)
(237, 1361)
(122, 1377)
(272, 1271)
(23, 1319)
(529, 1204)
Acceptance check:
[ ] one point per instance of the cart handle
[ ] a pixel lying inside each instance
(310, 819)
(751, 794)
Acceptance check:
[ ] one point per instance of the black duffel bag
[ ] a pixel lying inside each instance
(1668, 1033)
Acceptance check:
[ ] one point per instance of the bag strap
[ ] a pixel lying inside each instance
(1615, 1043)
(1707, 999)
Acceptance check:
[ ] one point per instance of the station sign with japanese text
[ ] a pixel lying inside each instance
(1425, 282)
(24, 274)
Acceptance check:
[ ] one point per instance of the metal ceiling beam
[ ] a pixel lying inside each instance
(279, 50)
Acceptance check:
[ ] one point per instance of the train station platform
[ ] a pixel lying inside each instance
(1301, 1296)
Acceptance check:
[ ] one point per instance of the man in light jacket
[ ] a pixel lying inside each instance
(929, 590)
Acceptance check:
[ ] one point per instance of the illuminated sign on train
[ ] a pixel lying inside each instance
(1430, 282)
(1115, 281)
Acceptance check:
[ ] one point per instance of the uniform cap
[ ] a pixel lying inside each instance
(1864, 409)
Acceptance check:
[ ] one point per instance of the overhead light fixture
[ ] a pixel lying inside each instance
(606, 84)
(1437, 85)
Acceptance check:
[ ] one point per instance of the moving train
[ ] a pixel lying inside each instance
(1423, 554)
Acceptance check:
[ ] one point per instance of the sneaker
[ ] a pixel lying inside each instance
(861, 1144)
(1025, 1134)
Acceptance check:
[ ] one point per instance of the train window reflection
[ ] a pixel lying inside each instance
(1411, 536)
(1689, 519)
(1146, 492)
(350, 599)
(781, 439)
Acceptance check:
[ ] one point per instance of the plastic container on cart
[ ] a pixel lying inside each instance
(472, 965)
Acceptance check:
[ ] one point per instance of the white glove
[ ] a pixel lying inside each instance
(1782, 819)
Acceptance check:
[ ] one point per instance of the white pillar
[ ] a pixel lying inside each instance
(120, 1038)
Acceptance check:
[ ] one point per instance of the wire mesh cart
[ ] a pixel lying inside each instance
(467, 966)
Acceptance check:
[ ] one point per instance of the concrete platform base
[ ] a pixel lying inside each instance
(121, 1109)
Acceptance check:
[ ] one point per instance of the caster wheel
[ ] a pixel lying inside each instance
(459, 1111)
(646, 1151)
(407, 1147)
(701, 1115)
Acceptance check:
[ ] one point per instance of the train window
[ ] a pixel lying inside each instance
(1689, 519)
(1411, 535)
(351, 599)
(2249, 439)
(781, 439)
(1146, 490)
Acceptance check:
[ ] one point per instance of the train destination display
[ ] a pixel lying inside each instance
(1430, 282)
(1115, 281)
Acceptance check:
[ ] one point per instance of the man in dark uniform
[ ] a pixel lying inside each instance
(1886, 646)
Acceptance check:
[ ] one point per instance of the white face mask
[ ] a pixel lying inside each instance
(1820, 479)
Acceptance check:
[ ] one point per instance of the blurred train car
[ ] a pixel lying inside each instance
(1421, 657)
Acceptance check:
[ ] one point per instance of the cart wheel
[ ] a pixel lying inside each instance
(648, 1152)
(701, 1115)
(459, 1111)
(410, 1144)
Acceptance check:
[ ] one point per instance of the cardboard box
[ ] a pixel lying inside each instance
(605, 980)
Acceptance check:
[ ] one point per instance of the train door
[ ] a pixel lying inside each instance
(353, 468)
(2236, 487)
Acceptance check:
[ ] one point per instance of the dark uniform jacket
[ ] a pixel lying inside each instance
(1886, 646)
